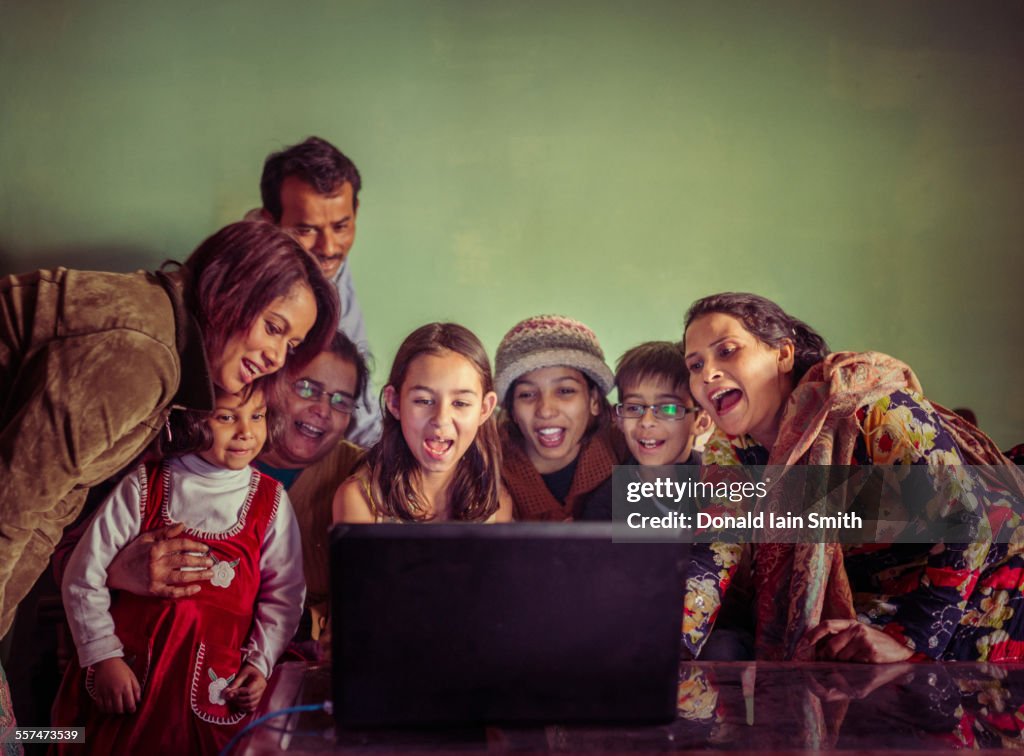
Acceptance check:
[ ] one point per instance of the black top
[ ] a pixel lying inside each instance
(599, 505)
(560, 481)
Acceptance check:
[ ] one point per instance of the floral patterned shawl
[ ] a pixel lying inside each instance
(800, 585)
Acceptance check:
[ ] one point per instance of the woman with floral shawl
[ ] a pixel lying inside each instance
(778, 397)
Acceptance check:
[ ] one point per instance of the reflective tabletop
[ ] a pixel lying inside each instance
(732, 706)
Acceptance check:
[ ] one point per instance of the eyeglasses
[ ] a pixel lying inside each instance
(312, 391)
(661, 411)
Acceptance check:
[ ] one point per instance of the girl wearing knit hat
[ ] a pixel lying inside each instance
(438, 456)
(557, 438)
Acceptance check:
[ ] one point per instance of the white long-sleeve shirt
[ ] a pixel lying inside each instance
(206, 498)
(365, 429)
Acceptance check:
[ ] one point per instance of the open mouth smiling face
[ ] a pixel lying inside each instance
(658, 440)
(440, 407)
(312, 426)
(263, 348)
(553, 407)
(741, 382)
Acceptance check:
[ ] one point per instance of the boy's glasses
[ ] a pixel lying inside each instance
(312, 391)
(661, 411)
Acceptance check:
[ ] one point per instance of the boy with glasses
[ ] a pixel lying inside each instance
(656, 414)
(661, 423)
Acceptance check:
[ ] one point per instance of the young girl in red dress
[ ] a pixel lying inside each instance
(181, 675)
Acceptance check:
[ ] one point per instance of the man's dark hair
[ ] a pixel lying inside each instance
(315, 161)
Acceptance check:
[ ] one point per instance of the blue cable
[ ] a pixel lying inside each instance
(325, 706)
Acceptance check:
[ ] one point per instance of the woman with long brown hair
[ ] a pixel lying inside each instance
(92, 363)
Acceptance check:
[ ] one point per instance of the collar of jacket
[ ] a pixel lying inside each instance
(195, 388)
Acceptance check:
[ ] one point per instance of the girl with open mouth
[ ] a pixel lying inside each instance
(558, 441)
(438, 457)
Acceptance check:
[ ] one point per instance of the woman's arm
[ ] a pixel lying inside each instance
(709, 571)
(93, 406)
(151, 565)
(850, 640)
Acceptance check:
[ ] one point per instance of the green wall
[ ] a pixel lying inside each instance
(862, 163)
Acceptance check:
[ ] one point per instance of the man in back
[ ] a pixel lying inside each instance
(311, 189)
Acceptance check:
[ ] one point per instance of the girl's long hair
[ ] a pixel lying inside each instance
(473, 490)
(769, 323)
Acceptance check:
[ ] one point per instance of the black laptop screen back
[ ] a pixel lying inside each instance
(454, 624)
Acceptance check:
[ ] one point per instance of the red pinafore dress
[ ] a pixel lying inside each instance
(183, 651)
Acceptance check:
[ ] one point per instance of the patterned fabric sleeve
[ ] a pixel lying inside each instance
(919, 593)
(708, 574)
(711, 566)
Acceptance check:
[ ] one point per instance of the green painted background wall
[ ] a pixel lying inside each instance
(862, 163)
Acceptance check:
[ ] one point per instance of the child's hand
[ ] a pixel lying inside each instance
(246, 689)
(117, 688)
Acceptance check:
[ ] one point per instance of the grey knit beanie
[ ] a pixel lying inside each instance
(549, 341)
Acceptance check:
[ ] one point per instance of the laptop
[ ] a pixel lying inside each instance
(518, 623)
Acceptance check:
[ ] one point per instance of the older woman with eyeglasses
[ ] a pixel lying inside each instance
(312, 411)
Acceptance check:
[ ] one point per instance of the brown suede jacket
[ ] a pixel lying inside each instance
(90, 364)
